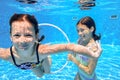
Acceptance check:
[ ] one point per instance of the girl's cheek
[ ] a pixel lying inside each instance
(86, 31)
(30, 40)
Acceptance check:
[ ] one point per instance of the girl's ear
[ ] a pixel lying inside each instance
(92, 29)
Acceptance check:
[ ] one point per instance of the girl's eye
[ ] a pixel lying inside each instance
(80, 30)
(16, 35)
(28, 35)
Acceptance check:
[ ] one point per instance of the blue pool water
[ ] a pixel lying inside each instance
(65, 14)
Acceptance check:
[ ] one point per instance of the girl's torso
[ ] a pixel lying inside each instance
(84, 60)
(17, 60)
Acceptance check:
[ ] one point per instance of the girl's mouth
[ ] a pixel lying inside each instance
(24, 46)
(82, 36)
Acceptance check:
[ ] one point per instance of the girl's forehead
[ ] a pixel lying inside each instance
(21, 23)
(82, 26)
(22, 26)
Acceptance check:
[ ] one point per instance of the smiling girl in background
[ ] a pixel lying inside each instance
(87, 37)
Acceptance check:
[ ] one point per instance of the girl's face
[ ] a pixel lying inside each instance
(84, 32)
(23, 35)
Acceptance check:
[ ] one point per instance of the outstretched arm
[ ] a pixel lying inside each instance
(50, 49)
(4, 53)
(79, 49)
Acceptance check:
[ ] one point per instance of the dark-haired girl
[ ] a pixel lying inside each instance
(87, 37)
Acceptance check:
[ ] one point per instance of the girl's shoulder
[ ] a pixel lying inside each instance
(93, 46)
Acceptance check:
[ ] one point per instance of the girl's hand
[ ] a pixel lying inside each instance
(69, 56)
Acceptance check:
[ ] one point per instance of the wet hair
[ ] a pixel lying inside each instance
(89, 22)
(25, 17)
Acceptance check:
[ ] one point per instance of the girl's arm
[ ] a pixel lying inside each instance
(87, 69)
(50, 49)
(92, 61)
(4, 53)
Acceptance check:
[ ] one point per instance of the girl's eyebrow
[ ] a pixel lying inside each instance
(80, 28)
(16, 33)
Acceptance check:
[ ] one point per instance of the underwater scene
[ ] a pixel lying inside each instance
(57, 21)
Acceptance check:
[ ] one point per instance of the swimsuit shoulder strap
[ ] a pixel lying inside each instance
(37, 54)
(12, 55)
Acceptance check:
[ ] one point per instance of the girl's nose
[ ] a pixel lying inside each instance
(23, 39)
(80, 33)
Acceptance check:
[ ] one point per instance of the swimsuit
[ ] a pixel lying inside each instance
(27, 65)
(84, 77)
(84, 60)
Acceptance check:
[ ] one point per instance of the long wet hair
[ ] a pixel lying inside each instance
(25, 17)
(89, 22)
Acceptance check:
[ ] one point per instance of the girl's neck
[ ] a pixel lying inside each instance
(91, 41)
(25, 53)
(85, 43)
